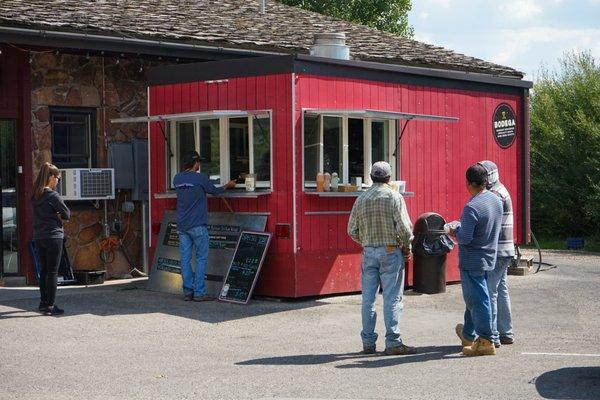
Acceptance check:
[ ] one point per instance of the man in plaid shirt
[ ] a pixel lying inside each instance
(380, 223)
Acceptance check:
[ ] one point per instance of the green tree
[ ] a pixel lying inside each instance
(385, 15)
(565, 144)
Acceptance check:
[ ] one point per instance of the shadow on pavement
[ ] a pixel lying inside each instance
(361, 360)
(131, 298)
(581, 383)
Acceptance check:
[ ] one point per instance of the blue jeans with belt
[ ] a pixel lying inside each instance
(478, 313)
(380, 266)
(193, 281)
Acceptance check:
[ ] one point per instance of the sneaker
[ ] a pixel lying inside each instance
(497, 345)
(204, 297)
(54, 310)
(188, 297)
(459, 333)
(42, 306)
(480, 347)
(368, 350)
(400, 350)
(506, 340)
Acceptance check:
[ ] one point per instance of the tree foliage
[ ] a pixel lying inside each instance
(565, 144)
(385, 15)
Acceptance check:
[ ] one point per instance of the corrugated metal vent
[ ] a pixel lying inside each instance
(330, 45)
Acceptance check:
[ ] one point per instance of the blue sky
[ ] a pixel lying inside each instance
(522, 34)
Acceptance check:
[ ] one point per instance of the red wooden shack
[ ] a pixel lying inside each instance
(284, 118)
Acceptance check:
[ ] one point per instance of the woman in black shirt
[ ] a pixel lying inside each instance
(48, 212)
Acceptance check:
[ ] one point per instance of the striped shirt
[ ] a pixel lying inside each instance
(478, 233)
(379, 218)
(506, 245)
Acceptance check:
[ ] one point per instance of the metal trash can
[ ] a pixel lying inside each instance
(430, 246)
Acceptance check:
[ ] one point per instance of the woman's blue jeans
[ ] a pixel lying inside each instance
(478, 313)
(386, 268)
(193, 281)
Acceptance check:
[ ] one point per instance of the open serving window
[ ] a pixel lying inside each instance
(348, 142)
(230, 144)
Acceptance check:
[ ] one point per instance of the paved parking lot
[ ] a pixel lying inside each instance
(119, 341)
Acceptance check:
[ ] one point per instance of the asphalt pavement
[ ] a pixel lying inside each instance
(120, 341)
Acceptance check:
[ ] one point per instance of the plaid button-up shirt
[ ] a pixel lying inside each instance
(379, 218)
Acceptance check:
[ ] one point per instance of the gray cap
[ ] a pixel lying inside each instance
(381, 169)
(492, 171)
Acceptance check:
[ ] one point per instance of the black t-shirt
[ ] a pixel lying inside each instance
(48, 211)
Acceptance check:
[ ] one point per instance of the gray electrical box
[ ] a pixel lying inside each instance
(140, 169)
(120, 157)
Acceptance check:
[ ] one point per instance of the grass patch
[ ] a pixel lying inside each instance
(592, 243)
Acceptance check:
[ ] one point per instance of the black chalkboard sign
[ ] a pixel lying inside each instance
(244, 268)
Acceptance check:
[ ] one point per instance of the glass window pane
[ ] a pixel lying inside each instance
(380, 141)
(186, 140)
(239, 161)
(262, 148)
(210, 149)
(70, 143)
(356, 156)
(332, 145)
(311, 148)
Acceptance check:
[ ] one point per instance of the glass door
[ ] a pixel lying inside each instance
(9, 264)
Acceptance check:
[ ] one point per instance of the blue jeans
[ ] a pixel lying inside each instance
(193, 281)
(478, 314)
(500, 300)
(386, 268)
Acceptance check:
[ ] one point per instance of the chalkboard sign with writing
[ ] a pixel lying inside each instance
(245, 266)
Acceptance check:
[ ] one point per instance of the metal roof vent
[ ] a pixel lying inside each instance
(262, 6)
(330, 45)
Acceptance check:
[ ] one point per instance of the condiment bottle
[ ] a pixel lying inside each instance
(320, 182)
(327, 183)
(335, 181)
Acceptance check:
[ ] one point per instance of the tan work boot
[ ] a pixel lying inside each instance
(459, 333)
(480, 347)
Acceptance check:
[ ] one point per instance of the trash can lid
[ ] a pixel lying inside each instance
(429, 223)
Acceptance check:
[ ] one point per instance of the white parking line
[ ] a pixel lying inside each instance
(562, 354)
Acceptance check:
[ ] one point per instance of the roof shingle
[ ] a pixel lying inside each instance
(233, 24)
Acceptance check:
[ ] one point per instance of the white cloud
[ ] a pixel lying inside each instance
(438, 3)
(423, 15)
(521, 9)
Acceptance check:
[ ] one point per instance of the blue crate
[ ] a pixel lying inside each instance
(575, 243)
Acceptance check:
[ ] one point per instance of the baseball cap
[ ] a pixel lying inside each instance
(191, 157)
(492, 171)
(381, 169)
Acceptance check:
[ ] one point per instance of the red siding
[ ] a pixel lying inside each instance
(433, 160)
(254, 93)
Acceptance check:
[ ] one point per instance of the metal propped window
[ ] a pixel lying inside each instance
(346, 145)
(230, 145)
(350, 141)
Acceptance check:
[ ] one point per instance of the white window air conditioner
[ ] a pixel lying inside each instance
(87, 184)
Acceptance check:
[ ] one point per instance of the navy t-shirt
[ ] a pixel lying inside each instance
(191, 189)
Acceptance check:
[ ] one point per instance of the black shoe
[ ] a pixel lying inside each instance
(54, 310)
(368, 350)
(188, 297)
(400, 350)
(42, 307)
(506, 340)
(497, 345)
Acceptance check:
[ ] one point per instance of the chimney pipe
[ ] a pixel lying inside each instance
(262, 6)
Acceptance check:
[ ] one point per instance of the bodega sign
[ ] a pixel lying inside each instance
(504, 125)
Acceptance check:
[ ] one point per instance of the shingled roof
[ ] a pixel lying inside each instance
(234, 24)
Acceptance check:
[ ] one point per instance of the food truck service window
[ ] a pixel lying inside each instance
(229, 147)
(347, 146)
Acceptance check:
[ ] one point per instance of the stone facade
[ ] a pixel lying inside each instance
(114, 88)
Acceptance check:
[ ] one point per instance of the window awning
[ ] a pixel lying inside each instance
(377, 114)
(188, 116)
